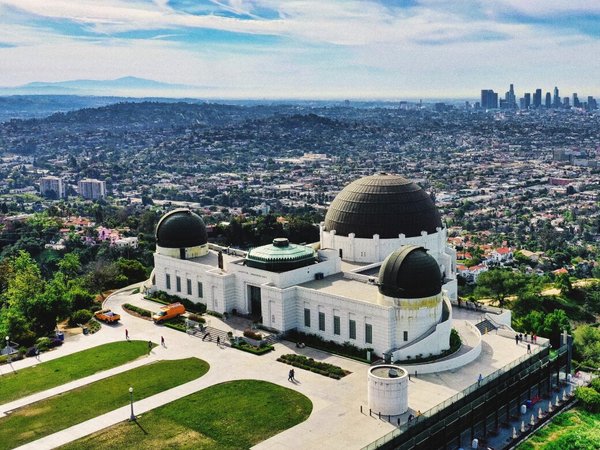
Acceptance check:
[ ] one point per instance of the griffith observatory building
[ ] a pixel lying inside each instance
(381, 275)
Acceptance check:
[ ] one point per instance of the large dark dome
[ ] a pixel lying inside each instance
(181, 228)
(410, 272)
(387, 205)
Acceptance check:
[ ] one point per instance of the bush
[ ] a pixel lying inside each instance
(43, 344)
(165, 299)
(595, 384)
(196, 318)
(589, 398)
(141, 311)
(80, 317)
(245, 347)
(252, 334)
(345, 349)
(215, 314)
(302, 362)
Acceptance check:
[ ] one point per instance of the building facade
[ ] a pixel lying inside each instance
(393, 299)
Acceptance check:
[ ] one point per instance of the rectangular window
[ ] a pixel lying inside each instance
(321, 321)
(368, 333)
(406, 335)
(178, 283)
(352, 329)
(307, 317)
(168, 281)
(189, 287)
(336, 325)
(200, 294)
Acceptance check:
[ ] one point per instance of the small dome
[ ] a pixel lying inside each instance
(280, 256)
(387, 205)
(181, 228)
(410, 272)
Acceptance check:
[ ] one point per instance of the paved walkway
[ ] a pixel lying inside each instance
(335, 422)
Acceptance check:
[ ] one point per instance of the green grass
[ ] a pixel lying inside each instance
(572, 430)
(62, 370)
(228, 416)
(64, 410)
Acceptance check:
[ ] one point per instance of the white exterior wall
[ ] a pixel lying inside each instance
(216, 285)
(347, 309)
(190, 252)
(388, 396)
(371, 250)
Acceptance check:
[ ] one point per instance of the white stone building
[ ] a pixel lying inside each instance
(391, 294)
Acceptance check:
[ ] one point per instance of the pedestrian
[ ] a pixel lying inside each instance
(410, 417)
(529, 348)
(149, 347)
(219, 340)
(291, 375)
(479, 380)
(162, 341)
(126, 334)
(517, 339)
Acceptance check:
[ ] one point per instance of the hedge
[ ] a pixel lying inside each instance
(302, 362)
(140, 311)
(346, 349)
(245, 347)
(166, 299)
(80, 317)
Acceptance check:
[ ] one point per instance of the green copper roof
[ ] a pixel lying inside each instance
(280, 256)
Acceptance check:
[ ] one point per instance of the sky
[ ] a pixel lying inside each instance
(310, 49)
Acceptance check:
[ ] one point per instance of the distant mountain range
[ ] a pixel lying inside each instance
(125, 86)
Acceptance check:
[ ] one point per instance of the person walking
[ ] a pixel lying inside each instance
(218, 341)
(126, 334)
(291, 375)
(149, 347)
(162, 341)
(517, 339)
(529, 349)
(479, 380)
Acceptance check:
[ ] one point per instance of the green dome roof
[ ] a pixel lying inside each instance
(410, 272)
(181, 228)
(280, 256)
(387, 205)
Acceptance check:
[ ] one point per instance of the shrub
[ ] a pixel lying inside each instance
(316, 341)
(244, 346)
(43, 344)
(80, 317)
(589, 397)
(252, 334)
(141, 311)
(215, 314)
(325, 369)
(165, 299)
(196, 318)
(596, 384)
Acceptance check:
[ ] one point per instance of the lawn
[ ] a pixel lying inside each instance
(232, 415)
(573, 430)
(59, 371)
(64, 410)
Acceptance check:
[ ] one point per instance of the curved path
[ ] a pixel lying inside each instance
(335, 422)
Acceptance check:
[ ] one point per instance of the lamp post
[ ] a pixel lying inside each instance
(132, 417)
(8, 349)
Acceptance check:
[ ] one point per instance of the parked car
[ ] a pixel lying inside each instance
(169, 312)
(106, 315)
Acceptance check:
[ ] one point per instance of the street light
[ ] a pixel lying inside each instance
(8, 349)
(132, 417)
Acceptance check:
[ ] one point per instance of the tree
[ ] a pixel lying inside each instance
(554, 324)
(499, 284)
(586, 345)
(564, 284)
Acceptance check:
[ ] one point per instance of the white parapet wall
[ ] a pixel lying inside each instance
(450, 362)
(388, 389)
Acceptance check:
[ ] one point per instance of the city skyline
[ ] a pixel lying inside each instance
(390, 49)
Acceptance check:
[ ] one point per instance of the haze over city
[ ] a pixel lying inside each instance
(304, 49)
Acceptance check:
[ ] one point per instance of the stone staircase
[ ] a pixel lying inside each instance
(213, 333)
(485, 326)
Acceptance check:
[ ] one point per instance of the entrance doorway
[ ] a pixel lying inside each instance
(255, 302)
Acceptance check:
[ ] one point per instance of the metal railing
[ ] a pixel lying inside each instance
(455, 398)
